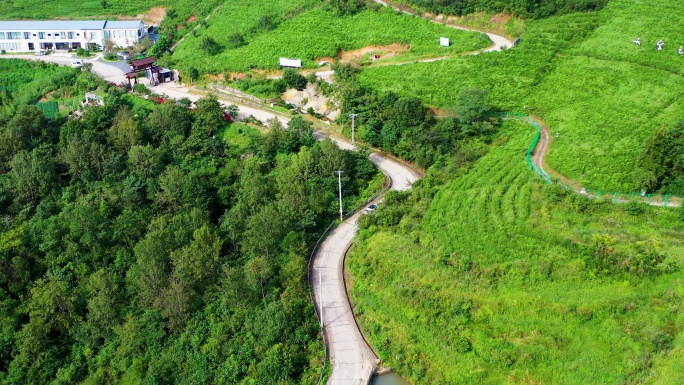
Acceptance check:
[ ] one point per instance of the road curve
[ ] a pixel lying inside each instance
(353, 361)
(498, 42)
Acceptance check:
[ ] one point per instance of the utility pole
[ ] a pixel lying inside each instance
(353, 116)
(339, 182)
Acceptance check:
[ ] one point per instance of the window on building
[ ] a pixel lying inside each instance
(70, 34)
(27, 35)
(107, 34)
(62, 35)
(13, 35)
(9, 46)
(2, 36)
(41, 35)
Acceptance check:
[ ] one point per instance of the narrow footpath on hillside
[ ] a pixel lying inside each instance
(538, 158)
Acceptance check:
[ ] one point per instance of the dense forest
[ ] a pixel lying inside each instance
(137, 246)
(526, 8)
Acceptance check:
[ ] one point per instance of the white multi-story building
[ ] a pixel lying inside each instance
(37, 35)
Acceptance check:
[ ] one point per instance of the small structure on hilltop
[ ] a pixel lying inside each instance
(444, 41)
(290, 63)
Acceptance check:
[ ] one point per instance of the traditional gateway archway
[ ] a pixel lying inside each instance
(143, 65)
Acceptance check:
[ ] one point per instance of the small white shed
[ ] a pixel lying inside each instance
(291, 63)
(444, 41)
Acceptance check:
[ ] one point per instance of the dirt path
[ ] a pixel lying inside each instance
(498, 41)
(173, 47)
(538, 158)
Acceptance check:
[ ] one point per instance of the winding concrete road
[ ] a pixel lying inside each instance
(352, 358)
(353, 361)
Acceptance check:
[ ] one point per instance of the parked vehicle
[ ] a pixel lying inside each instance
(77, 63)
(370, 208)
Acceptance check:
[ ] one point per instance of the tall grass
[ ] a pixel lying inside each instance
(582, 74)
(316, 33)
(496, 284)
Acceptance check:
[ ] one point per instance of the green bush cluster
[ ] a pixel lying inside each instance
(139, 247)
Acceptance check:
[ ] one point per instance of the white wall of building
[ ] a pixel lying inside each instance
(14, 38)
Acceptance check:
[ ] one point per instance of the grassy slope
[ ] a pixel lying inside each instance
(26, 82)
(57, 9)
(497, 264)
(582, 74)
(326, 34)
(609, 95)
(603, 121)
(510, 76)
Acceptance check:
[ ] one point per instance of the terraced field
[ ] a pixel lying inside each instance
(506, 280)
(583, 76)
(327, 35)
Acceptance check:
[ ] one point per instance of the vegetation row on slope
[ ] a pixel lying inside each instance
(497, 277)
(259, 36)
(583, 76)
(525, 8)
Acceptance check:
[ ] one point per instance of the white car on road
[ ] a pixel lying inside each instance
(77, 63)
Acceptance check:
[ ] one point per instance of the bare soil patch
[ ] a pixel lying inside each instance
(237, 76)
(385, 51)
(216, 78)
(191, 19)
(153, 17)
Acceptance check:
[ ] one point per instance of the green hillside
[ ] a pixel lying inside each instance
(501, 278)
(583, 76)
(293, 29)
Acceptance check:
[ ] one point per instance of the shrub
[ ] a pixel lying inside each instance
(210, 46)
(294, 79)
(141, 89)
(236, 40)
(635, 208)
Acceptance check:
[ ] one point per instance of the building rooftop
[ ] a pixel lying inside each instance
(65, 25)
(124, 24)
(143, 62)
